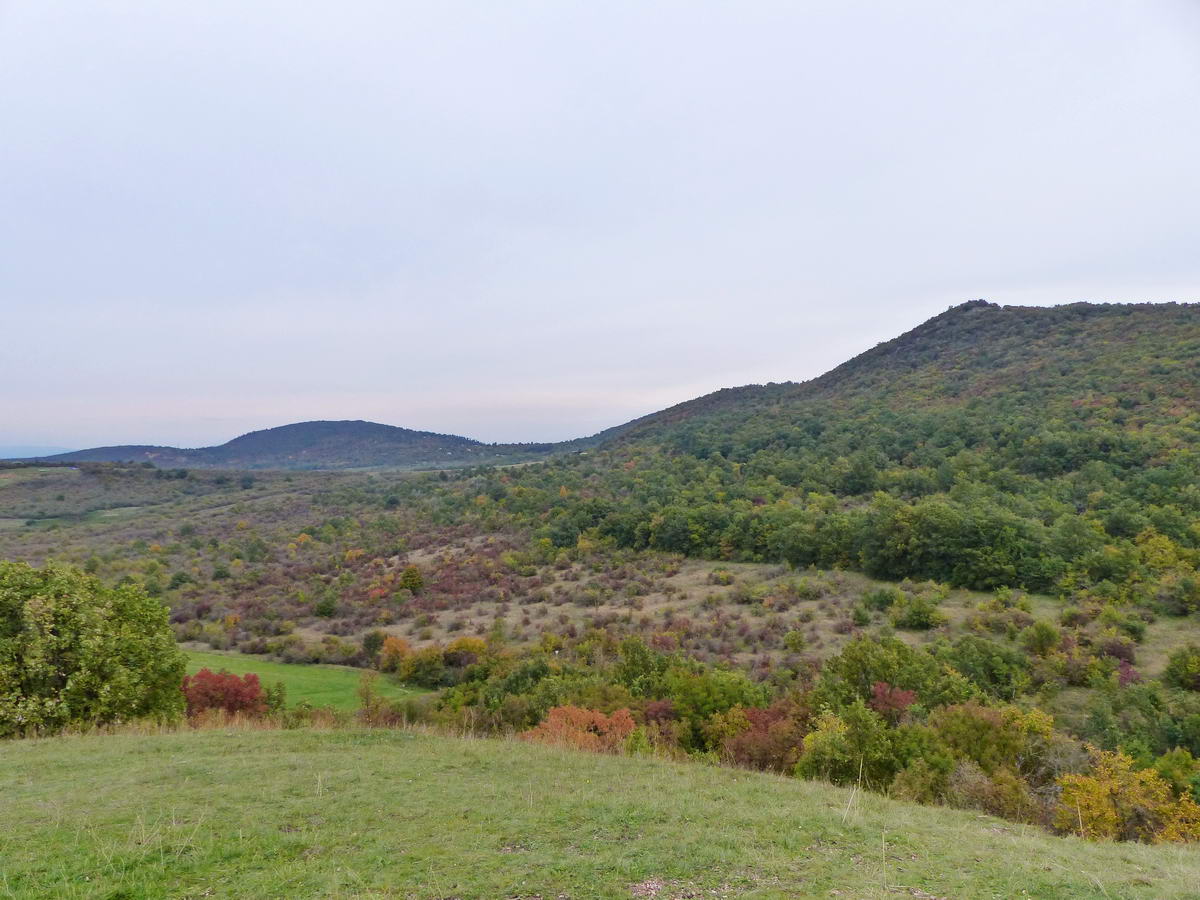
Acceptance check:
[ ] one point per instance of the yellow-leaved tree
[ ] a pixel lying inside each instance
(1117, 802)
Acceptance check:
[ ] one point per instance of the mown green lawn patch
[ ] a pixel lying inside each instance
(403, 814)
(320, 685)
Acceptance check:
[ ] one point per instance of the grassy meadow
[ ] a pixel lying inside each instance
(319, 685)
(231, 813)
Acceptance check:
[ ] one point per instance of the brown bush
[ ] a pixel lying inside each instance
(583, 729)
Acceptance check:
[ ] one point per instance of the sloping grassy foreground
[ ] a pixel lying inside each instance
(401, 814)
(334, 686)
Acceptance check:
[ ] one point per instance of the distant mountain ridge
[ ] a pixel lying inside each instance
(318, 445)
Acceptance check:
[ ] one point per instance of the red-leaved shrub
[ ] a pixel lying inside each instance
(661, 711)
(773, 739)
(1127, 674)
(224, 691)
(891, 702)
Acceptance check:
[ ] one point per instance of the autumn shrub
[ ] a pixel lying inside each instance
(1002, 793)
(745, 592)
(392, 653)
(424, 667)
(583, 729)
(1012, 798)
(1127, 674)
(1123, 620)
(723, 726)
(1076, 666)
(720, 576)
(922, 781)
(1115, 801)
(771, 738)
(660, 711)
(464, 651)
(1179, 593)
(590, 692)
(698, 693)
(810, 589)
(209, 690)
(1182, 823)
(1117, 646)
(521, 679)
(916, 612)
(891, 702)
(275, 698)
(1078, 616)
(516, 713)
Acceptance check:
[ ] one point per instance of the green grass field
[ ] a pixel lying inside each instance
(355, 813)
(333, 686)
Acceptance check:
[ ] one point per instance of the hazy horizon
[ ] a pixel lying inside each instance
(536, 221)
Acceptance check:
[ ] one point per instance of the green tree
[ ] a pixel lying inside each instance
(1183, 668)
(412, 579)
(853, 674)
(854, 746)
(73, 652)
(424, 667)
(1041, 637)
(999, 670)
(372, 643)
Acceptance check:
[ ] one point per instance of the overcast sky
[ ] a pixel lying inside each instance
(533, 220)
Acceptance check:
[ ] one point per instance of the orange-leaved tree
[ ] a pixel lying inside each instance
(393, 652)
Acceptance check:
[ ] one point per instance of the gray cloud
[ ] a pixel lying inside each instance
(534, 220)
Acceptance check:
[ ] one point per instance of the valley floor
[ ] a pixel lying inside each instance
(231, 813)
(335, 687)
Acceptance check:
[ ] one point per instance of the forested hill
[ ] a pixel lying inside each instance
(1143, 355)
(992, 446)
(320, 445)
(1128, 365)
